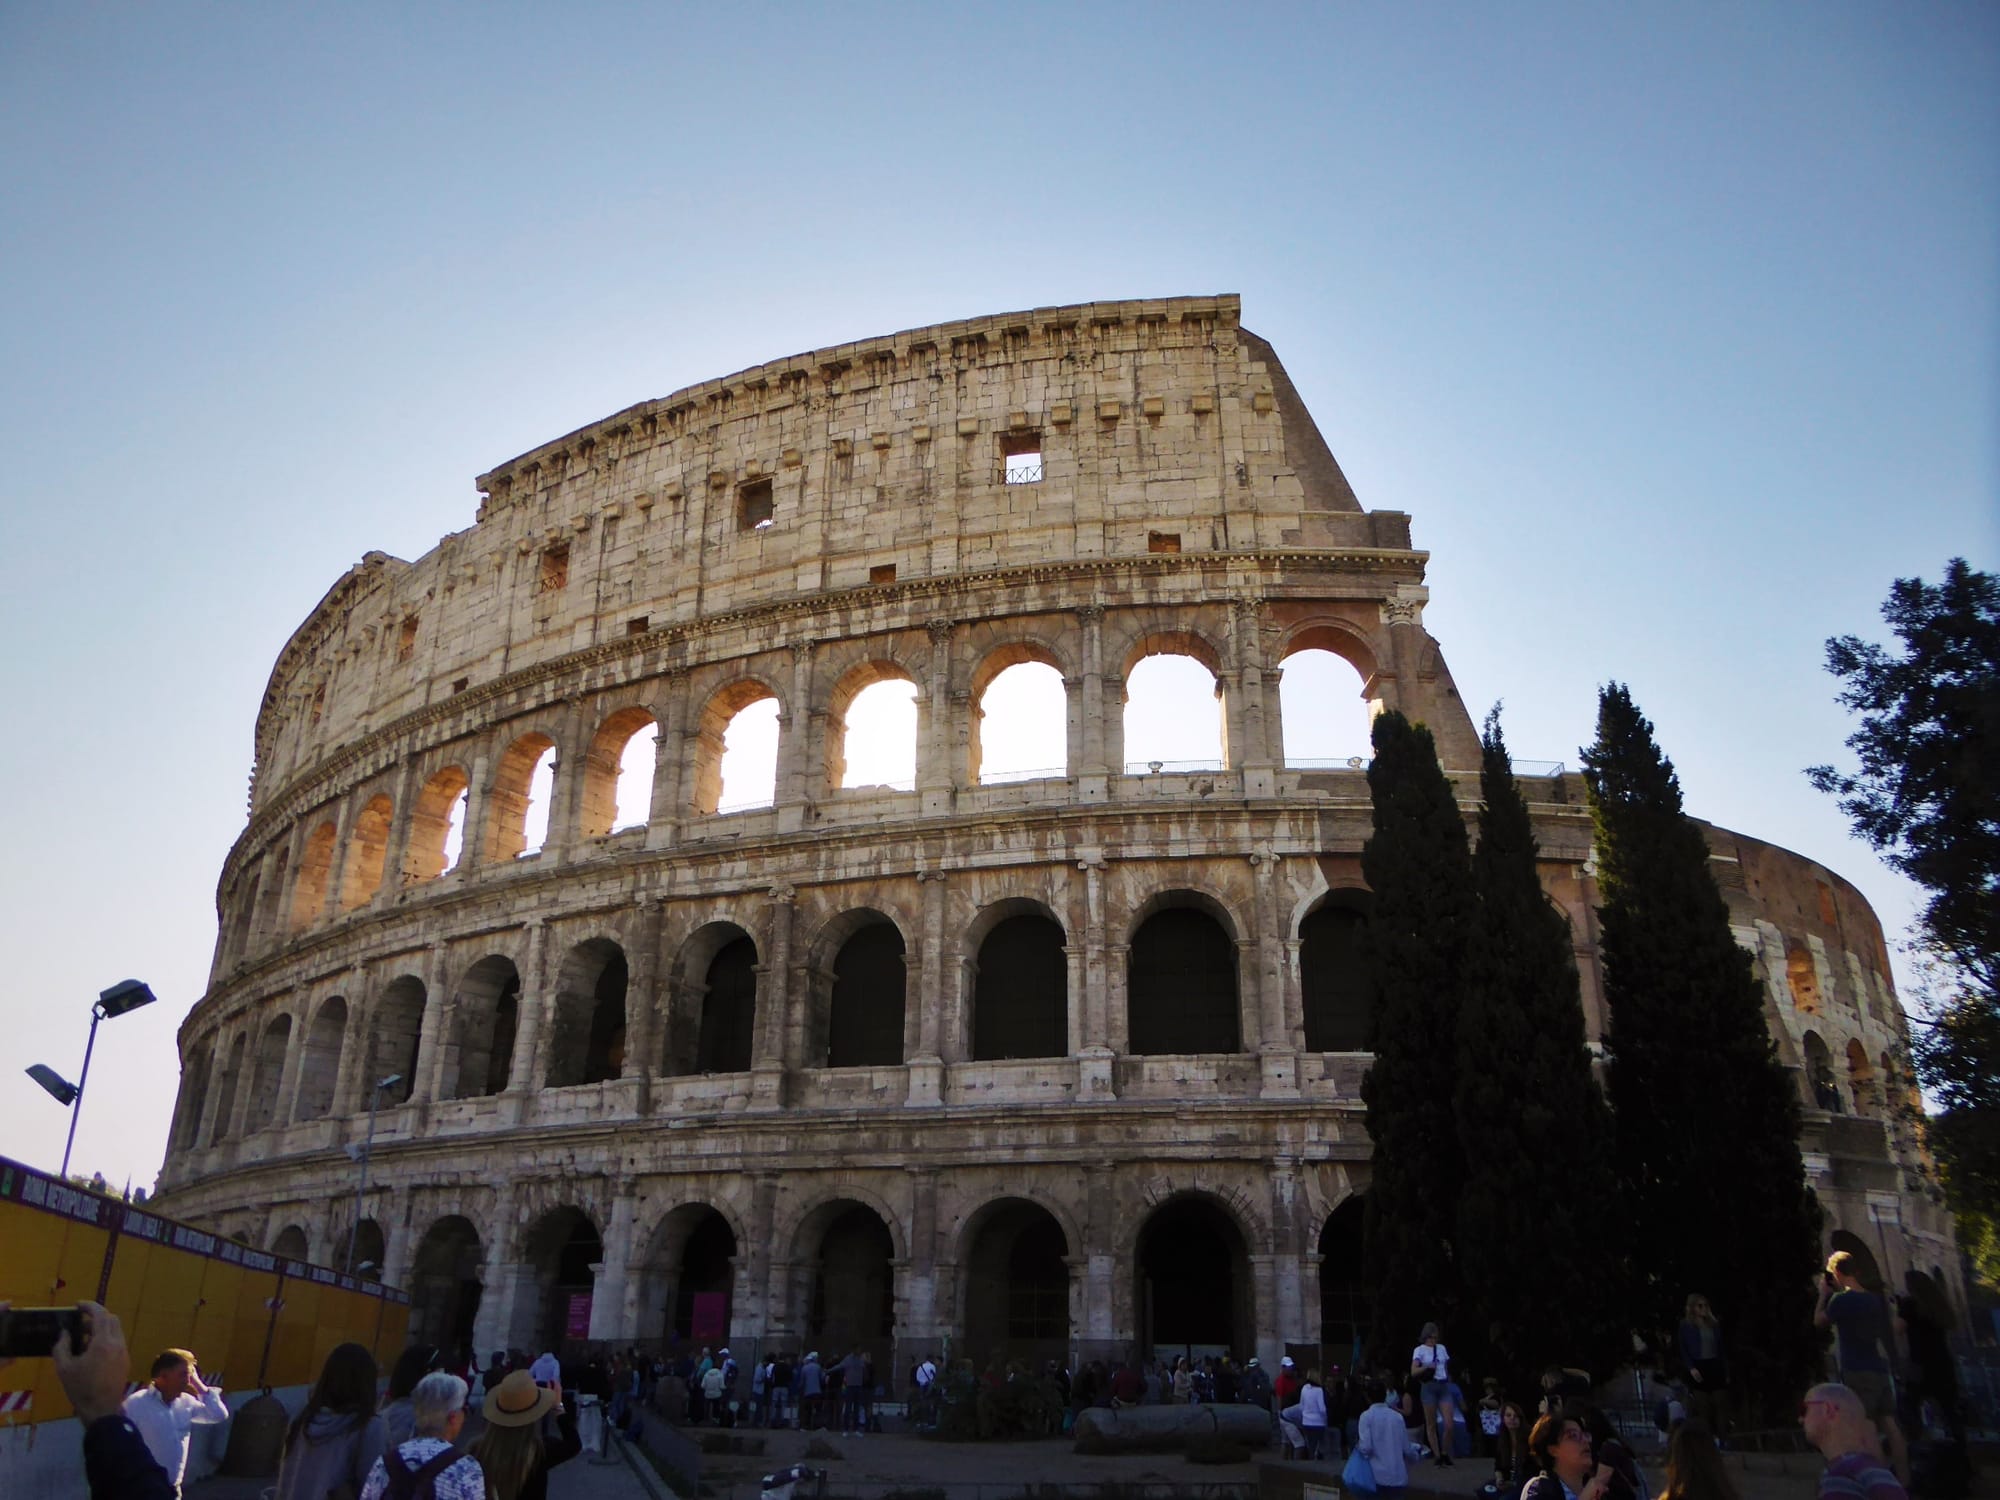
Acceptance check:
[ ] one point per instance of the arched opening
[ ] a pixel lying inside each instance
(243, 917)
(271, 1048)
(1864, 1267)
(309, 895)
(367, 850)
(1802, 977)
(399, 1023)
(1173, 707)
(1345, 1295)
(488, 1010)
(1020, 718)
(562, 1247)
(445, 1285)
(871, 730)
(587, 1031)
(1861, 1081)
(1020, 990)
(319, 1062)
(865, 1013)
(1016, 1285)
(273, 915)
(1824, 1091)
(1335, 984)
(736, 750)
(1326, 715)
(852, 1302)
(1181, 984)
(194, 1097)
(370, 1250)
(618, 773)
(688, 1277)
(728, 1010)
(1193, 1281)
(290, 1243)
(232, 1079)
(437, 826)
(517, 816)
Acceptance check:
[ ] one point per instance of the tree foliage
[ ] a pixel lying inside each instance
(1706, 1119)
(1418, 864)
(1540, 1199)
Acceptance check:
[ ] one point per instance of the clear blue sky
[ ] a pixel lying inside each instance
(1675, 328)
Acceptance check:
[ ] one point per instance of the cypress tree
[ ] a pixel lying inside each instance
(1419, 867)
(1706, 1120)
(1539, 1211)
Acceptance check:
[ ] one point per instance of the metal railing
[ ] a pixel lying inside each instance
(1170, 767)
(1003, 778)
(1023, 473)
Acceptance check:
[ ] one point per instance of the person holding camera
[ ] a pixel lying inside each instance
(1860, 1323)
(117, 1465)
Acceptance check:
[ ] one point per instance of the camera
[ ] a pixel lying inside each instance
(31, 1332)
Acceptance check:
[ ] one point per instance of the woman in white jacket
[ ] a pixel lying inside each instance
(1380, 1440)
(1312, 1415)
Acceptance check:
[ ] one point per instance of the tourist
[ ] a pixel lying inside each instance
(852, 1369)
(1862, 1341)
(1256, 1385)
(513, 1450)
(811, 1390)
(778, 1386)
(1610, 1451)
(1836, 1422)
(176, 1402)
(1510, 1449)
(1379, 1437)
(1312, 1415)
(1559, 1452)
(412, 1365)
(495, 1372)
(430, 1456)
(1695, 1470)
(1430, 1366)
(1700, 1342)
(1562, 1383)
(116, 1462)
(336, 1438)
(1927, 1323)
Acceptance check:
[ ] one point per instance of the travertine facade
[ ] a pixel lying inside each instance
(1040, 1064)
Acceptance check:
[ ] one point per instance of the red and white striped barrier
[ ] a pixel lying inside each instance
(14, 1403)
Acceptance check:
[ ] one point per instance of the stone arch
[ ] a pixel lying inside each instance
(1150, 639)
(272, 1046)
(587, 1019)
(718, 711)
(1346, 1296)
(1141, 749)
(1013, 1255)
(1862, 1081)
(367, 852)
(507, 799)
(1343, 640)
(399, 1024)
(1802, 976)
(1015, 953)
(713, 1028)
(691, 1254)
(1325, 711)
(319, 1059)
(315, 869)
(290, 1243)
(878, 667)
(558, 1249)
(1336, 989)
(426, 851)
(446, 1284)
(485, 1018)
(194, 1094)
(1022, 651)
(844, 1252)
(1183, 991)
(858, 991)
(232, 1080)
(602, 770)
(366, 1250)
(1192, 1287)
(1821, 1090)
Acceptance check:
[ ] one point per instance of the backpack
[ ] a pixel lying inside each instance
(406, 1483)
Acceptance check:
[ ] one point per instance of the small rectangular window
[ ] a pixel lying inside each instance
(1021, 457)
(638, 625)
(1163, 541)
(406, 642)
(882, 573)
(461, 685)
(555, 570)
(753, 505)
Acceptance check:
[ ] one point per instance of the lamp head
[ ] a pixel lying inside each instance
(390, 1082)
(127, 994)
(60, 1088)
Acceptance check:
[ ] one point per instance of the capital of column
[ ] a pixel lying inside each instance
(1090, 614)
(782, 895)
(940, 630)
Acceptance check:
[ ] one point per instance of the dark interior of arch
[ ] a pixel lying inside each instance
(444, 1285)
(853, 1300)
(704, 1270)
(1017, 1287)
(366, 1261)
(1194, 1281)
(587, 1041)
(194, 1095)
(232, 1076)
(1181, 990)
(1020, 999)
(728, 1010)
(290, 1243)
(1338, 989)
(489, 999)
(563, 1248)
(1344, 1293)
(270, 1072)
(865, 1016)
(397, 1030)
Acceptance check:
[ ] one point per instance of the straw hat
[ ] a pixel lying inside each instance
(517, 1401)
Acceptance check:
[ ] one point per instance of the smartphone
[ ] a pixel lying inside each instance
(30, 1332)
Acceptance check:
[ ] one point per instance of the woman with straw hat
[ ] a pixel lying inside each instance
(515, 1450)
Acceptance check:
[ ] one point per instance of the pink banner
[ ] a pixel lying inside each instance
(577, 1325)
(711, 1316)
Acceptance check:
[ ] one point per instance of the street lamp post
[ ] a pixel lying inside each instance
(368, 1145)
(127, 994)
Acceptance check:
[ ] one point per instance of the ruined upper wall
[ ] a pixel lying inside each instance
(1162, 426)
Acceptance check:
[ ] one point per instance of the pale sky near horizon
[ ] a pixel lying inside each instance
(1675, 328)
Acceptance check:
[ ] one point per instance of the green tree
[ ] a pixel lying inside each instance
(1418, 864)
(1706, 1121)
(1927, 796)
(1540, 1199)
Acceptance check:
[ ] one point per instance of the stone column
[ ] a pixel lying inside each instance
(759, 1315)
(336, 868)
(1285, 1316)
(285, 1105)
(672, 748)
(798, 777)
(1248, 744)
(1277, 1061)
(642, 1003)
(611, 1316)
(1094, 767)
(922, 1323)
(353, 1046)
(780, 1044)
(478, 813)
(566, 798)
(1094, 1057)
(407, 791)
(940, 732)
(927, 1065)
(246, 1086)
(211, 1103)
(522, 1078)
(430, 1054)
(1098, 1332)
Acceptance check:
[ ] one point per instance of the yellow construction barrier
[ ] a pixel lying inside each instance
(253, 1320)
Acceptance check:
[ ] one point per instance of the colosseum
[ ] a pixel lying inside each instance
(640, 1044)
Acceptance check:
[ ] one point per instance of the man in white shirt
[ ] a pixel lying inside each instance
(164, 1411)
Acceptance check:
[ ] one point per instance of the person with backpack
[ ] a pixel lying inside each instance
(336, 1438)
(429, 1466)
(515, 1450)
(412, 1365)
